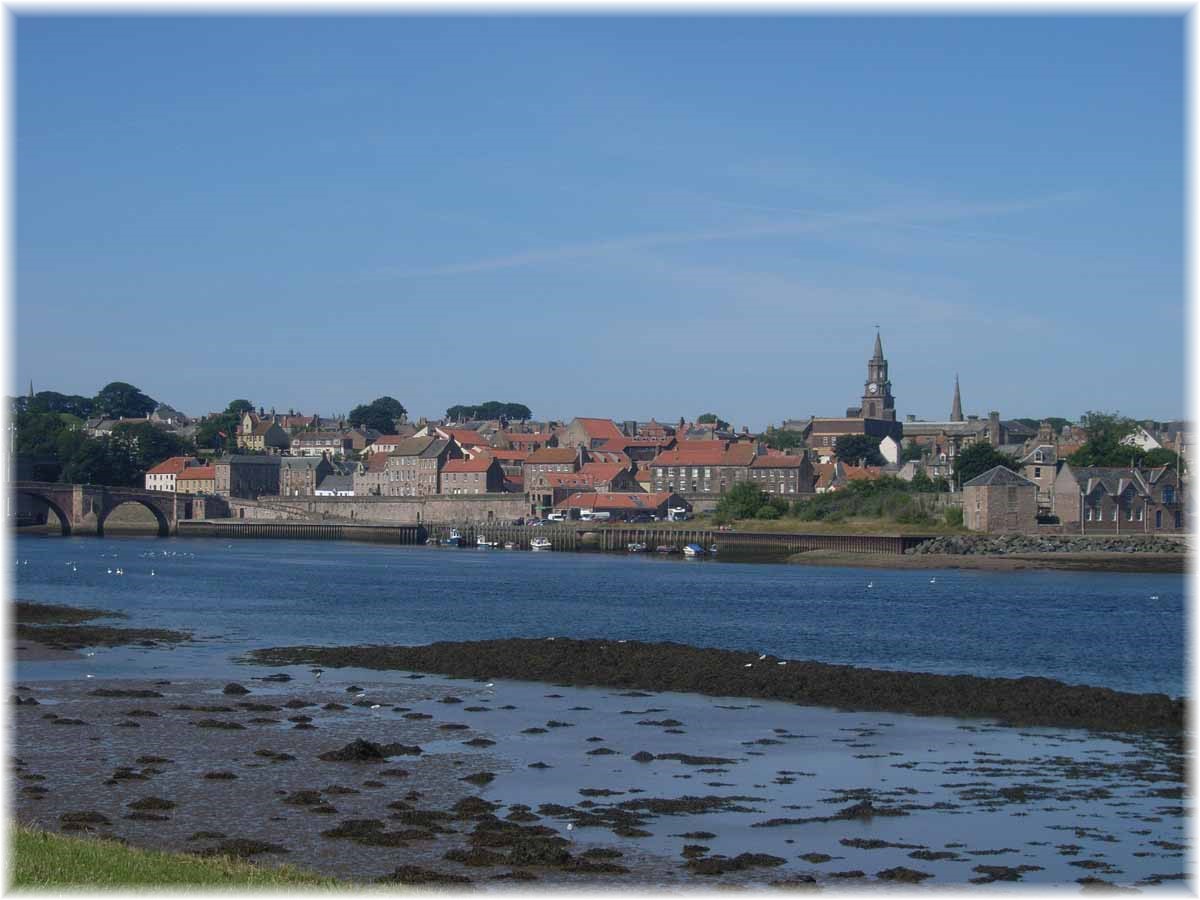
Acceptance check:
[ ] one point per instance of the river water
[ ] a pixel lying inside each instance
(1123, 631)
(956, 797)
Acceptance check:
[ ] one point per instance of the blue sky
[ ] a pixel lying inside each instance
(624, 217)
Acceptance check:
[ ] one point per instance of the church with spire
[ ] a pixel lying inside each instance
(877, 399)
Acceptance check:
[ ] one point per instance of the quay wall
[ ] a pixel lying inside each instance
(460, 508)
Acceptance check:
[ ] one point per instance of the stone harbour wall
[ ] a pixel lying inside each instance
(1017, 543)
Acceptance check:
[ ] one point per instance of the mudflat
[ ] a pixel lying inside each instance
(703, 670)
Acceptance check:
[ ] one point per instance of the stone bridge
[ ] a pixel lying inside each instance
(83, 508)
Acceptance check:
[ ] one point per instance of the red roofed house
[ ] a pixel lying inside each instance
(591, 433)
(481, 475)
(543, 462)
(163, 476)
(780, 474)
(641, 449)
(625, 505)
(197, 480)
(387, 443)
(702, 470)
(471, 442)
(610, 476)
(527, 441)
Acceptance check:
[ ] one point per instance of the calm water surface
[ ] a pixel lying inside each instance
(1116, 630)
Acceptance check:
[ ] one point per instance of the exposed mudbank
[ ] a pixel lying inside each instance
(58, 627)
(679, 667)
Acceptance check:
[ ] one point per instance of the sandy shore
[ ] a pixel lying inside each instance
(36, 651)
(1090, 562)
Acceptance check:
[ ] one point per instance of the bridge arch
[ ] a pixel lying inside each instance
(164, 526)
(64, 520)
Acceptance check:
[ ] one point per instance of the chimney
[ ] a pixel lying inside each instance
(994, 428)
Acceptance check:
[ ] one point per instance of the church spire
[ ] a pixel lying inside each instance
(878, 346)
(956, 414)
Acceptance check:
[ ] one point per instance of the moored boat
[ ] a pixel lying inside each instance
(666, 548)
(455, 539)
(636, 547)
(693, 551)
(510, 545)
(540, 543)
(482, 541)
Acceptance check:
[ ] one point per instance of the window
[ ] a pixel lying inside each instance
(1114, 514)
(1168, 494)
(1037, 457)
(1140, 512)
(1089, 514)
(1129, 514)
(1037, 471)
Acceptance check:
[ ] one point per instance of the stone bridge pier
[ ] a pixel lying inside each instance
(83, 508)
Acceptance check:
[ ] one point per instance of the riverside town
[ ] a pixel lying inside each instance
(592, 452)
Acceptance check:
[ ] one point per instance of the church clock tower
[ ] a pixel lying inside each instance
(878, 402)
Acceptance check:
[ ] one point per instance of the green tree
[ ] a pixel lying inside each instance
(238, 408)
(979, 458)
(911, 452)
(54, 402)
(1160, 456)
(1103, 446)
(712, 419)
(380, 414)
(742, 501)
(858, 449)
(491, 409)
(144, 445)
(120, 400)
(781, 439)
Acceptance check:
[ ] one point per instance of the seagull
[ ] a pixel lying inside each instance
(762, 657)
(93, 653)
(360, 696)
(490, 684)
(782, 662)
(1154, 596)
(571, 830)
(747, 665)
(870, 584)
(933, 581)
(110, 571)
(622, 642)
(374, 706)
(151, 571)
(89, 676)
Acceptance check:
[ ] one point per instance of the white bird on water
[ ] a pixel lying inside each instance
(571, 830)
(374, 706)
(151, 571)
(1154, 596)
(762, 656)
(870, 584)
(933, 581)
(782, 662)
(360, 696)
(110, 571)
(747, 665)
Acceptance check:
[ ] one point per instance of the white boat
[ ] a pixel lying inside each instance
(510, 545)
(482, 541)
(540, 543)
(455, 539)
(693, 550)
(636, 547)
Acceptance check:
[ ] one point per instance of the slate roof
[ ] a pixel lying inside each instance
(336, 483)
(998, 476)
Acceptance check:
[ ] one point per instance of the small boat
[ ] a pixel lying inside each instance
(432, 542)
(540, 543)
(636, 547)
(692, 551)
(482, 541)
(455, 539)
(665, 548)
(510, 545)
(712, 551)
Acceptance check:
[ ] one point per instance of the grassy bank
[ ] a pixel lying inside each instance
(42, 860)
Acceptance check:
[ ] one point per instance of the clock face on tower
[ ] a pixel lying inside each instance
(872, 387)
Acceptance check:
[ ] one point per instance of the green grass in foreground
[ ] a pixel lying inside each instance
(40, 859)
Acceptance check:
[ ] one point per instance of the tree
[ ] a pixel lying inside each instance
(380, 414)
(911, 452)
(781, 439)
(858, 449)
(54, 402)
(713, 419)
(746, 501)
(144, 445)
(492, 409)
(120, 400)
(238, 408)
(1103, 446)
(1160, 456)
(979, 458)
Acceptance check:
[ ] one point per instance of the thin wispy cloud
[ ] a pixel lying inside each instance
(806, 222)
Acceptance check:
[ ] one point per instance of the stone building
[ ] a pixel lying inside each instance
(543, 462)
(263, 435)
(414, 468)
(590, 433)
(1117, 500)
(1000, 501)
(300, 475)
(246, 477)
(776, 473)
(702, 468)
(162, 477)
(197, 480)
(481, 475)
(322, 443)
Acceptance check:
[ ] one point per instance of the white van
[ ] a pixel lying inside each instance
(556, 517)
(677, 514)
(589, 515)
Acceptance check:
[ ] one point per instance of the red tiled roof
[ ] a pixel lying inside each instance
(465, 436)
(481, 463)
(712, 454)
(377, 462)
(602, 472)
(569, 479)
(172, 466)
(551, 455)
(861, 473)
(600, 428)
(623, 443)
(777, 461)
(387, 439)
(825, 473)
(506, 455)
(628, 500)
(610, 457)
(198, 473)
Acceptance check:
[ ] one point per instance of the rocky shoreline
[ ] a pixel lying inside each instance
(1005, 544)
(716, 672)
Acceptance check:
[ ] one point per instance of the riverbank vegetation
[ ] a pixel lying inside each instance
(42, 860)
(860, 507)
